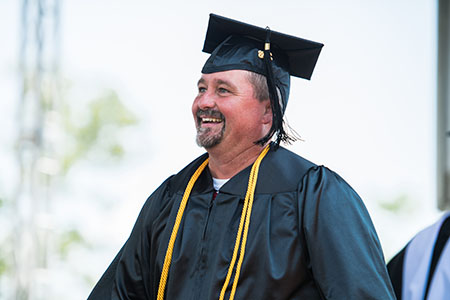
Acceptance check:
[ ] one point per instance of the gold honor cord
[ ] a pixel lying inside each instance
(245, 217)
(173, 236)
(246, 212)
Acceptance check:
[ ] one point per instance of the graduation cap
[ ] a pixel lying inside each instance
(236, 45)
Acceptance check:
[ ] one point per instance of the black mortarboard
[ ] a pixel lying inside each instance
(239, 46)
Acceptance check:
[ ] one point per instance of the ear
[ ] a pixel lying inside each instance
(267, 117)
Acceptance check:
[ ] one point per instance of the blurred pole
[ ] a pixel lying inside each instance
(38, 71)
(443, 107)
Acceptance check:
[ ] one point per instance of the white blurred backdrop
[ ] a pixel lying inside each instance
(121, 122)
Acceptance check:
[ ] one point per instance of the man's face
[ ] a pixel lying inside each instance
(226, 112)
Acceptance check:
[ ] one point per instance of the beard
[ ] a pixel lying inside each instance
(208, 137)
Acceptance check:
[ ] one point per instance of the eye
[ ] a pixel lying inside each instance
(201, 89)
(223, 91)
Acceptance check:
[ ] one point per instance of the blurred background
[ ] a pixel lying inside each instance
(95, 100)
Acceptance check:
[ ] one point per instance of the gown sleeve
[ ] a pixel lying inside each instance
(124, 278)
(345, 256)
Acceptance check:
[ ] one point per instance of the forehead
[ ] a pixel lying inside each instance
(233, 77)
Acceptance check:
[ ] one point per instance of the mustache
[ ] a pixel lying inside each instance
(213, 113)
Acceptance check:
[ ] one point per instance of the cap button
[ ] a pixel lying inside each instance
(261, 54)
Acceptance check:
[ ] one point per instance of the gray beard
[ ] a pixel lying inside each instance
(207, 141)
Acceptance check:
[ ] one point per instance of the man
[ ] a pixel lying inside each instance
(249, 219)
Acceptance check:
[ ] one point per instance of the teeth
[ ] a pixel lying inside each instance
(211, 120)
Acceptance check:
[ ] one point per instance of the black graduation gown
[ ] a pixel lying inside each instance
(310, 237)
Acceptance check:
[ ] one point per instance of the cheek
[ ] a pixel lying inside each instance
(194, 107)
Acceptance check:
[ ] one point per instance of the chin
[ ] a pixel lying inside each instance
(208, 142)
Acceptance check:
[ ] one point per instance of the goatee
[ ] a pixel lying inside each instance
(206, 137)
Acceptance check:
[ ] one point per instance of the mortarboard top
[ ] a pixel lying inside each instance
(301, 54)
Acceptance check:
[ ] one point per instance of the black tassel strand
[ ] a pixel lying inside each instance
(277, 115)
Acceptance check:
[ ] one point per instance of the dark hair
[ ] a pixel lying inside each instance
(261, 92)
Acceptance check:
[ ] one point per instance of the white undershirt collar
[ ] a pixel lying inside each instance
(218, 183)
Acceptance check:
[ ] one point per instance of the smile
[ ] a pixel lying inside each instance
(209, 117)
(211, 120)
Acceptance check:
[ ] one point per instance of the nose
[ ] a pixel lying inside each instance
(205, 100)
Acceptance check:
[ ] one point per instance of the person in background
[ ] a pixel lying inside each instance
(421, 270)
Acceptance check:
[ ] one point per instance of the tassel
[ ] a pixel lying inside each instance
(277, 115)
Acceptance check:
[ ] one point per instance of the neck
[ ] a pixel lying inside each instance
(226, 164)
